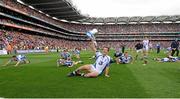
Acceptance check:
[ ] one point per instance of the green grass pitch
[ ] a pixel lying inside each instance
(41, 78)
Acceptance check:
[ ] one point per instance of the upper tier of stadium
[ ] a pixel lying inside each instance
(26, 19)
(65, 11)
(21, 20)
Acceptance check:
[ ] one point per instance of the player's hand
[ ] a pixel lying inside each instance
(107, 76)
(95, 43)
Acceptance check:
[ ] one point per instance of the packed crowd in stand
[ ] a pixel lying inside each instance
(19, 40)
(35, 28)
(127, 28)
(24, 41)
(24, 26)
(26, 10)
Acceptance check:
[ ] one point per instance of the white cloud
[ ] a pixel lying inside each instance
(116, 8)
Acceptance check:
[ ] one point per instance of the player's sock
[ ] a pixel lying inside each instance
(77, 73)
(71, 74)
(82, 74)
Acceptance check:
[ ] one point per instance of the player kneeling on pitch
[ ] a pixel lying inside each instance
(19, 59)
(117, 55)
(94, 70)
(76, 52)
(66, 59)
(68, 62)
(125, 59)
(169, 58)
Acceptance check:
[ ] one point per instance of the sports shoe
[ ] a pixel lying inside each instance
(71, 74)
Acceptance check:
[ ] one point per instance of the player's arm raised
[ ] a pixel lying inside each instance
(93, 45)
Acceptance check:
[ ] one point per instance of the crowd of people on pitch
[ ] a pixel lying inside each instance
(102, 59)
(120, 57)
(18, 40)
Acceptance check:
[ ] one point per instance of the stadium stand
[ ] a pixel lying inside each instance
(23, 23)
(24, 41)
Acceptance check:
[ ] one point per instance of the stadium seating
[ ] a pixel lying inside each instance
(20, 19)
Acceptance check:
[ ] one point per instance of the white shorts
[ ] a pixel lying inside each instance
(146, 48)
(93, 69)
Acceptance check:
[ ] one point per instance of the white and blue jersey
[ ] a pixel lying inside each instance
(146, 44)
(65, 55)
(101, 62)
(165, 60)
(118, 54)
(174, 59)
(21, 58)
(77, 52)
(89, 34)
(125, 60)
(68, 63)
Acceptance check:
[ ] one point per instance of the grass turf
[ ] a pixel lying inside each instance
(41, 78)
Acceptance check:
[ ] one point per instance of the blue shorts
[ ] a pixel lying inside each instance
(68, 63)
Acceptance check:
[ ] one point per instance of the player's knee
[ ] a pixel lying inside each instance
(90, 75)
(86, 66)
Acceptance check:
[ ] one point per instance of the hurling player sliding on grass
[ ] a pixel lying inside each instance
(19, 59)
(94, 70)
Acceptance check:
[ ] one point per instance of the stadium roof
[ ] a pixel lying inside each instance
(60, 9)
(132, 20)
(65, 10)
